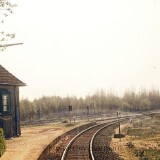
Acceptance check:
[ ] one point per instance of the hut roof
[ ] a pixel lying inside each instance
(6, 78)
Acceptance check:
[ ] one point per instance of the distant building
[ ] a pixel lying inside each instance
(9, 103)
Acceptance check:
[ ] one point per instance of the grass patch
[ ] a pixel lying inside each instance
(148, 154)
(2, 142)
(144, 136)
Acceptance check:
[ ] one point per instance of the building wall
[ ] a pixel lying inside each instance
(11, 119)
(17, 111)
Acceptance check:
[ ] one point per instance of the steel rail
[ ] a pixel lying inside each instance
(81, 133)
(96, 133)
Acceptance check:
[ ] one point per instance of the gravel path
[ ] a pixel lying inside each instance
(33, 141)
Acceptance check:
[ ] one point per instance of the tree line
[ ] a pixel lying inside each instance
(96, 104)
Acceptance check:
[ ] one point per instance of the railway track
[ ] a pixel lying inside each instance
(87, 145)
(100, 144)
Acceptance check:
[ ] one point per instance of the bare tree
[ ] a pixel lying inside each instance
(5, 10)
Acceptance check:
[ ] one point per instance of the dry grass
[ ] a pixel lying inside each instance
(142, 140)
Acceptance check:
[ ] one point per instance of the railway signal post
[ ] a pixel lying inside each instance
(118, 116)
(70, 110)
(88, 112)
(119, 135)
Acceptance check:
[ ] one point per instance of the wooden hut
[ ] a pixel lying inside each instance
(9, 103)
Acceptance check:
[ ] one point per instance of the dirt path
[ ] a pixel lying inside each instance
(33, 141)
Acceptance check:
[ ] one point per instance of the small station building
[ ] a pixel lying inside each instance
(9, 103)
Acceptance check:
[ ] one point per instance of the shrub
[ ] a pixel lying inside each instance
(130, 145)
(64, 121)
(2, 142)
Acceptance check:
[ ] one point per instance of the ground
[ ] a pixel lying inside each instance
(120, 147)
(33, 141)
(141, 141)
(141, 138)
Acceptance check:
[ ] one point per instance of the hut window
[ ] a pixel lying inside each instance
(4, 101)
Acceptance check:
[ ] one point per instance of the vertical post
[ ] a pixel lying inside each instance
(88, 112)
(16, 112)
(94, 114)
(94, 104)
(70, 114)
(118, 116)
(70, 109)
(119, 128)
(118, 113)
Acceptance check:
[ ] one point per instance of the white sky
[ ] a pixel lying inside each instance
(75, 47)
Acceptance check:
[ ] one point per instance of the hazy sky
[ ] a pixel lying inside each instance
(75, 47)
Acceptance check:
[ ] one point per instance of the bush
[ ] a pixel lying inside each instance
(64, 121)
(130, 145)
(2, 142)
